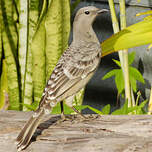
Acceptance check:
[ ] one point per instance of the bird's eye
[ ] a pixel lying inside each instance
(87, 12)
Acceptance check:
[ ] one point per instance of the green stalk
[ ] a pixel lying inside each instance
(125, 55)
(9, 39)
(124, 63)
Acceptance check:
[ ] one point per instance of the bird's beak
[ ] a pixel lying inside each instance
(102, 11)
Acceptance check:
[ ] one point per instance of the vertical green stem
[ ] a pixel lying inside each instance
(125, 54)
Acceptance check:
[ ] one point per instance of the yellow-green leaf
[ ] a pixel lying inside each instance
(144, 13)
(132, 36)
(57, 26)
(4, 87)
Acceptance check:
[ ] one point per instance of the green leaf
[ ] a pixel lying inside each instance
(136, 74)
(117, 62)
(135, 35)
(10, 42)
(38, 62)
(110, 74)
(3, 86)
(29, 107)
(57, 26)
(133, 83)
(106, 109)
(119, 80)
(124, 110)
(131, 57)
(95, 110)
(140, 107)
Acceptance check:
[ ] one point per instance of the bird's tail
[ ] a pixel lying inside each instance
(28, 130)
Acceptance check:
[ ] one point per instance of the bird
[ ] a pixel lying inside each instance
(73, 71)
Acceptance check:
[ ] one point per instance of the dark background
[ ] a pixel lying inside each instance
(98, 93)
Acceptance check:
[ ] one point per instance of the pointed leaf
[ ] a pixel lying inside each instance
(106, 109)
(136, 74)
(95, 110)
(131, 57)
(110, 74)
(119, 80)
(117, 62)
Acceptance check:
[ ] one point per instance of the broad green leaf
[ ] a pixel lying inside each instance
(38, 62)
(57, 26)
(33, 22)
(110, 74)
(119, 80)
(3, 86)
(132, 36)
(117, 62)
(106, 109)
(131, 57)
(136, 74)
(23, 41)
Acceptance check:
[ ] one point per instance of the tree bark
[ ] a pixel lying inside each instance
(106, 133)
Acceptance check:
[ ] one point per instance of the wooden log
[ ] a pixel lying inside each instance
(106, 133)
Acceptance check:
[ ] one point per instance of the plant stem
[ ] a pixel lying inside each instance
(123, 55)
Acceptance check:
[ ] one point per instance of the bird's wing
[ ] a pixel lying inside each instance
(68, 72)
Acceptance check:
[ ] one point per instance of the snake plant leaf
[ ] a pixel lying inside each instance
(38, 62)
(3, 87)
(57, 26)
(23, 40)
(33, 22)
(132, 36)
(9, 39)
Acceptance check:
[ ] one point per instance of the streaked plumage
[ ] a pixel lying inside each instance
(72, 72)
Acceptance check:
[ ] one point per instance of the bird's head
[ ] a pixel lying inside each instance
(88, 14)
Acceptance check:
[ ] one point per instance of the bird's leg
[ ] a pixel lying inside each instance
(69, 102)
(62, 111)
(78, 112)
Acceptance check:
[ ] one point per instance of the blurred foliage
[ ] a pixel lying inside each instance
(134, 75)
(27, 61)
